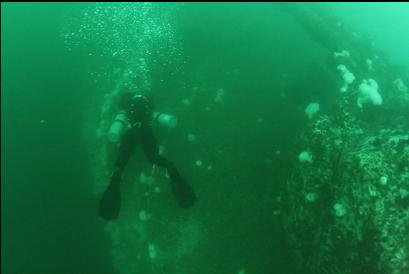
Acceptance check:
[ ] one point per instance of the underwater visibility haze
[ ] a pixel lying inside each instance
(209, 138)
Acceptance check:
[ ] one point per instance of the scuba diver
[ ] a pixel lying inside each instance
(136, 118)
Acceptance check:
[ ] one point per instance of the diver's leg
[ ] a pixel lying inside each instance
(126, 150)
(111, 200)
(181, 189)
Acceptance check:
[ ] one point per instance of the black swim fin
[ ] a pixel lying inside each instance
(183, 192)
(110, 203)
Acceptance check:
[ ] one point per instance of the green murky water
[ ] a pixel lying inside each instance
(292, 127)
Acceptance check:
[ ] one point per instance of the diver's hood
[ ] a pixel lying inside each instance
(139, 108)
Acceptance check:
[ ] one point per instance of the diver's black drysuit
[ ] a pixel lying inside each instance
(141, 132)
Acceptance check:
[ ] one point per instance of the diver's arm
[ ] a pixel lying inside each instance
(164, 119)
(155, 117)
